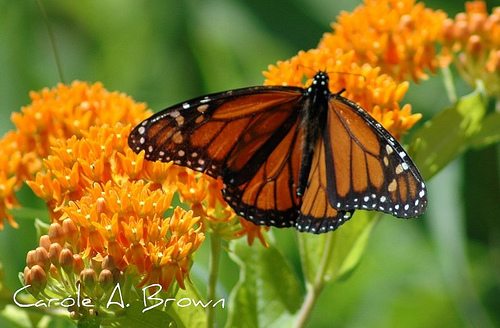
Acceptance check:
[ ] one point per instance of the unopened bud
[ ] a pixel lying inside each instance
(31, 258)
(66, 260)
(45, 242)
(38, 279)
(88, 277)
(42, 258)
(70, 231)
(56, 233)
(54, 253)
(106, 279)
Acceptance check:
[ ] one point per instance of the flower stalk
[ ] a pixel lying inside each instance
(213, 267)
(315, 288)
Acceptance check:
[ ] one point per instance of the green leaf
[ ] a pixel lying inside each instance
(15, 317)
(489, 132)
(134, 317)
(193, 315)
(268, 291)
(334, 255)
(448, 134)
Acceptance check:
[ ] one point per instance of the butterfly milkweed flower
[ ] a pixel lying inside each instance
(106, 202)
(399, 36)
(53, 115)
(472, 43)
(370, 53)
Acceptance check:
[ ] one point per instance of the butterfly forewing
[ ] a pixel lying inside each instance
(367, 168)
(201, 133)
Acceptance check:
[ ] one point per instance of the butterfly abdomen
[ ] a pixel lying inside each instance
(313, 122)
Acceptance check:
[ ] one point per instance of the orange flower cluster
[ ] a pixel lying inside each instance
(104, 242)
(472, 42)
(98, 183)
(56, 114)
(399, 36)
(126, 222)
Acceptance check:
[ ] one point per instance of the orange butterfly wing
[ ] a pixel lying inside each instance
(206, 133)
(367, 168)
(357, 164)
(317, 214)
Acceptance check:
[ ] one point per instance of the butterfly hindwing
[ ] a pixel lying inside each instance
(268, 197)
(317, 215)
(368, 168)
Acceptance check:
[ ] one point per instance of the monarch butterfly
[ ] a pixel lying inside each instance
(288, 156)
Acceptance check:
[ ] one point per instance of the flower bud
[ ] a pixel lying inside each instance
(66, 260)
(88, 278)
(70, 231)
(54, 253)
(106, 279)
(38, 279)
(31, 258)
(474, 45)
(45, 242)
(42, 258)
(56, 233)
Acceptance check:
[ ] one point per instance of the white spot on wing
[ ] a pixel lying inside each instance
(174, 113)
(202, 108)
(180, 120)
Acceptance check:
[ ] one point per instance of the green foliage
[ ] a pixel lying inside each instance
(330, 257)
(278, 295)
(452, 132)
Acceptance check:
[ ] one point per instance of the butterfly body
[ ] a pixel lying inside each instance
(313, 119)
(288, 156)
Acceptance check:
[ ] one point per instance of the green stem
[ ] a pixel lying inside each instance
(315, 289)
(215, 248)
(449, 85)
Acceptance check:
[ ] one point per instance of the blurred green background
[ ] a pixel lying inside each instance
(442, 270)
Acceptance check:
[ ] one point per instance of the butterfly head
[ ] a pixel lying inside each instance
(319, 85)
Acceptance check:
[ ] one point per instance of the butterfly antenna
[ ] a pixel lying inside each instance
(347, 73)
(52, 40)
